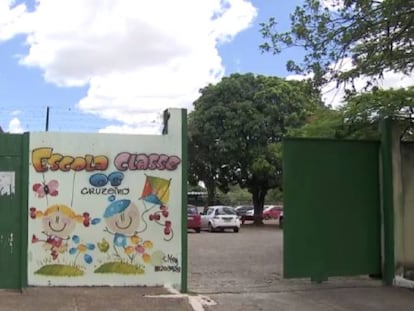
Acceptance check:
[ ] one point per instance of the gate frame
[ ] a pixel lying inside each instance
(21, 152)
(387, 201)
(25, 210)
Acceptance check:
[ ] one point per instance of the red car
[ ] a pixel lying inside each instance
(272, 212)
(193, 218)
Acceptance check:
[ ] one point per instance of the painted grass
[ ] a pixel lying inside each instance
(119, 267)
(59, 270)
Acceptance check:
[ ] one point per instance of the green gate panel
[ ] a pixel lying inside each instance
(332, 208)
(13, 194)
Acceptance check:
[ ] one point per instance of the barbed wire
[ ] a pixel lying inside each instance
(59, 119)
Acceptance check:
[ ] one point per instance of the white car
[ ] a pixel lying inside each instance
(220, 217)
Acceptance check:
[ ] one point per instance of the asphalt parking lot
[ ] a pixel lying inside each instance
(243, 271)
(235, 262)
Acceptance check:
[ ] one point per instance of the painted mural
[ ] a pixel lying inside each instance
(104, 209)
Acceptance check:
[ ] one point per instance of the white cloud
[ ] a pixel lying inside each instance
(15, 126)
(332, 4)
(10, 19)
(138, 57)
(122, 129)
(333, 95)
(299, 77)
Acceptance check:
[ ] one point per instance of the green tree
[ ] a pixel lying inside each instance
(323, 123)
(275, 196)
(236, 130)
(359, 117)
(374, 35)
(202, 166)
(380, 103)
(363, 111)
(337, 124)
(235, 196)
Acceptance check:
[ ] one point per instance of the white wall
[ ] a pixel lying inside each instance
(93, 228)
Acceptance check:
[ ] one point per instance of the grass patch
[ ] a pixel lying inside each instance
(59, 270)
(119, 267)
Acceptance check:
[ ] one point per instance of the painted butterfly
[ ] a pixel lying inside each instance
(43, 189)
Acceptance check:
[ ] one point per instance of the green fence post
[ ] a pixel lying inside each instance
(24, 208)
(184, 240)
(387, 200)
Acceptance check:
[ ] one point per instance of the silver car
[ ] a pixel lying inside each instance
(220, 217)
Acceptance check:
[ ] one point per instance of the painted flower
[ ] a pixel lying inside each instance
(103, 245)
(146, 258)
(120, 240)
(140, 249)
(129, 250)
(135, 239)
(148, 244)
(81, 248)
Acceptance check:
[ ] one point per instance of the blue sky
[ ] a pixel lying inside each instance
(114, 66)
(242, 54)
(46, 59)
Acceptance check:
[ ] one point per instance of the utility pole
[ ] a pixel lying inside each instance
(47, 118)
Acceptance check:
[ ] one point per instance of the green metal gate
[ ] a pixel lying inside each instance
(13, 218)
(331, 208)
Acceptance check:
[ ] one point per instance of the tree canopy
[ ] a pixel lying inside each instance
(359, 117)
(236, 128)
(345, 39)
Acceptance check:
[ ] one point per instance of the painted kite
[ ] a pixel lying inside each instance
(156, 190)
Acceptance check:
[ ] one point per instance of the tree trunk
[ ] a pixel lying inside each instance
(258, 196)
(211, 192)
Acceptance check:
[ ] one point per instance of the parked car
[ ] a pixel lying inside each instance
(281, 219)
(241, 210)
(193, 218)
(249, 215)
(272, 212)
(220, 217)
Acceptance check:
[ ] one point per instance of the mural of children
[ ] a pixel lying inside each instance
(122, 221)
(58, 223)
